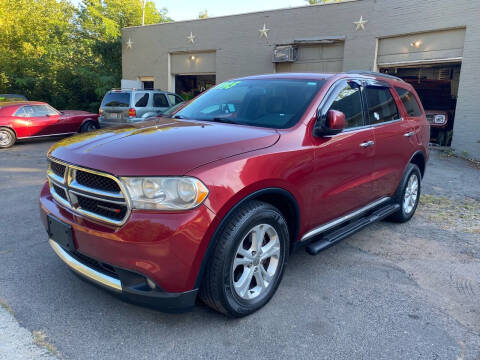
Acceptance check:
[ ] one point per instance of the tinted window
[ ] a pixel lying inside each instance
(116, 99)
(349, 101)
(410, 102)
(160, 100)
(381, 105)
(43, 110)
(273, 103)
(174, 99)
(141, 100)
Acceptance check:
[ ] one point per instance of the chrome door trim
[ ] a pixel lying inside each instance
(85, 271)
(342, 219)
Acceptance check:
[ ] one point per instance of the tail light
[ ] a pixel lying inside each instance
(132, 112)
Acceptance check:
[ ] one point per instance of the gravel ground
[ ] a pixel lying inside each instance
(408, 291)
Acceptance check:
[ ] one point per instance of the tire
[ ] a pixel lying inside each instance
(7, 138)
(88, 126)
(406, 196)
(232, 281)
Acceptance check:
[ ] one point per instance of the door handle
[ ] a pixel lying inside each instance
(367, 144)
(411, 133)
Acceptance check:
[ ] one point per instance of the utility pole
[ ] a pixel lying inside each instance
(143, 11)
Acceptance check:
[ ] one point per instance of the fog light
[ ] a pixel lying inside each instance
(151, 284)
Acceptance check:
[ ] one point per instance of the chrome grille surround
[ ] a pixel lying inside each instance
(73, 190)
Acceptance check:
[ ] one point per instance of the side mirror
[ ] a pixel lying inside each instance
(330, 124)
(335, 120)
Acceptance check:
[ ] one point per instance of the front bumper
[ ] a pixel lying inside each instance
(166, 248)
(123, 285)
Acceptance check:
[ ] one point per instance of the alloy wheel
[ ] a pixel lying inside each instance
(5, 138)
(256, 262)
(411, 194)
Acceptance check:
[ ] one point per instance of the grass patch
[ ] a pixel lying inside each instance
(40, 338)
(457, 215)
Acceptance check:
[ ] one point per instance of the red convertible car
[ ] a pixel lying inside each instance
(31, 119)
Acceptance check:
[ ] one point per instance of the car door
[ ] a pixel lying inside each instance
(344, 162)
(393, 137)
(43, 120)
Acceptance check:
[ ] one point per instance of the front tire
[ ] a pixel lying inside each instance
(88, 126)
(7, 138)
(248, 261)
(408, 194)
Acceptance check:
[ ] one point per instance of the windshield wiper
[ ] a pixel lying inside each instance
(223, 120)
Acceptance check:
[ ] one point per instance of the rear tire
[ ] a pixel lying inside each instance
(88, 126)
(244, 273)
(408, 194)
(7, 138)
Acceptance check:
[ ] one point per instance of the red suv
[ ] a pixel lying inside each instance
(213, 202)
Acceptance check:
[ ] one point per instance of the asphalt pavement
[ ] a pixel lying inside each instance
(408, 291)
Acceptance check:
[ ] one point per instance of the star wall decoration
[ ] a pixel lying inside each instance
(360, 24)
(129, 43)
(264, 31)
(191, 38)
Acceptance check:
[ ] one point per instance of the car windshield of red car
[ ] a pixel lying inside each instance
(273, 103)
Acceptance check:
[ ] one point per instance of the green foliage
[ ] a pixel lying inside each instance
(52, 51)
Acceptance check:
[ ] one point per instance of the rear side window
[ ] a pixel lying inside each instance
(409, 101)
(116, 99)
(349, 101)
(160, 100)
(141, 100)
(174, 99)
(381, 105)
(24, 111)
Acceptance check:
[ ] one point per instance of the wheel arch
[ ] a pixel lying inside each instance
(419, 159)
(282, 199)
(9, 128)
(84, 121)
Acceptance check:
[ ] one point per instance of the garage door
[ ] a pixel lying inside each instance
(430, 47)
(193, 63)
(324, 58)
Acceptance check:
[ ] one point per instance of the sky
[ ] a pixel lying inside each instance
(189, 9)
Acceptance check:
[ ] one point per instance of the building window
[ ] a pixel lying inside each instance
(147, 85)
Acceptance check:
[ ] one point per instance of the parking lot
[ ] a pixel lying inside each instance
(409, 291)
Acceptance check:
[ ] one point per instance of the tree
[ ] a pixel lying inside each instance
(203, 14)
(52, 51)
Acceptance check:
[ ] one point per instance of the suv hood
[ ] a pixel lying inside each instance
(160, 147)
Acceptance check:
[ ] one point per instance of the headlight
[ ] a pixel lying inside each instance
(439, 119)
(165, 193)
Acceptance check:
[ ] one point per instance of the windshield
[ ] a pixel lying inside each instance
(273, 103)
(121, 99)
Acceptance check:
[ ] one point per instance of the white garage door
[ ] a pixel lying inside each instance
(421, 48)
(320, 58)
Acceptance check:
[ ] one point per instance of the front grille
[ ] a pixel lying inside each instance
(430, 118)
(60, 191)
(58, 169)
(102, 208)
(92, 263)
(88, 192)
(96, 181)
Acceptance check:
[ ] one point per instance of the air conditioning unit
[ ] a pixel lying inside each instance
(285, 53)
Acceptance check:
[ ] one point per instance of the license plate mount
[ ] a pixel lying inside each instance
(60, 232)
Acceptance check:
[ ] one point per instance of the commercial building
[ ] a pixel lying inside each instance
(433, 44)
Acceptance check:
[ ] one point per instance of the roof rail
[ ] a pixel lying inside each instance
(374, 73)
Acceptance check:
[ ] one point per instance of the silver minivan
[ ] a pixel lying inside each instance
(131, 105)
